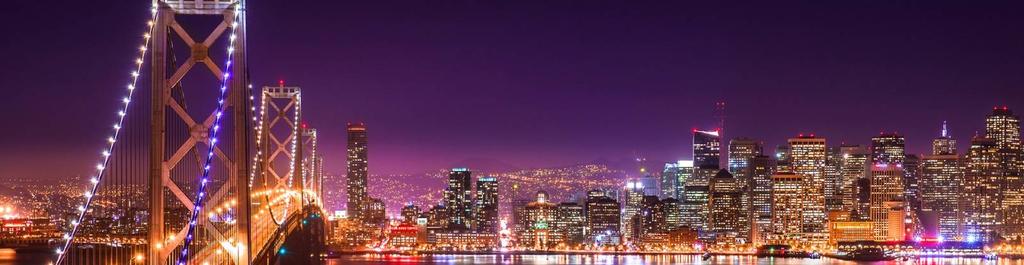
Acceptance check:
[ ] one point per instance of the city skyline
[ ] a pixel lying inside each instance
(481, 88)
(253, 132)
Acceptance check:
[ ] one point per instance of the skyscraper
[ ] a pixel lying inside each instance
(706, 148)
(783, 157)
(788, 201)
(1004, 127)
(762, 168)
(886, 188)
(649, 223)
(633, 197)
(833, 179)
(741, 150)
(538, 221)
(944, 144)
(673, 214)
(941, 185)
(694, 206)
(728, 218)
(674, 177)
(888, 148)
(603, 218)
(458, 198)
(911, 185)
(486, 205)
(856, 165)
(357, 170)
(808, 161)
(570, 221)
(982, 189)
(410, 212)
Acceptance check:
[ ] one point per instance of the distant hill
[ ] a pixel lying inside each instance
(483, 164)
(561, 183)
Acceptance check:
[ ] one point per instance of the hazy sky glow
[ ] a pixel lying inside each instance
(541, 83)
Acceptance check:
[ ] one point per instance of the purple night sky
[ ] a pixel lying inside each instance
(540, 83)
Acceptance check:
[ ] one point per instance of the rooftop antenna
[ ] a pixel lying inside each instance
(720, 116)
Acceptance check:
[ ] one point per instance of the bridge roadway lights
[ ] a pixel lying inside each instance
(304, 245)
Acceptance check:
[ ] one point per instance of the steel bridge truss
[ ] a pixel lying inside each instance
(220, 234)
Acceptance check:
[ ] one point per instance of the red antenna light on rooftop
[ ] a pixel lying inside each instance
(280, 82)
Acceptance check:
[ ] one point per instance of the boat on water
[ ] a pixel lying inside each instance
(814, 255)
(867, 254)
(705, 256)
(991, 256)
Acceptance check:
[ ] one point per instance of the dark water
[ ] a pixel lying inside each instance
(631, 259)
(9, 257)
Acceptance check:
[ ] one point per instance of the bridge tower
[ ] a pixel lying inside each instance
(278, 184)
(233, 156)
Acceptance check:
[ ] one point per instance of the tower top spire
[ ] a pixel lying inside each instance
(945, 131)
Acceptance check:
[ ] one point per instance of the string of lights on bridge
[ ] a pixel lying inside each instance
(214, 132)
(111, 141)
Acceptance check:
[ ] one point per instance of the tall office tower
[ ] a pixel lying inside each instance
(486, 205)
(647, 224)
(570, 221)
(595, 194)
(374, 212)
(695, 208)
(1004, 127)
(808, 161)
(941, 185)
(886, 187)
(458, 198)
(357, 170)
(673, 178)
(945, 144)
(833, 179)
(863, 207)
(633, 199)
(888, 148)
(538, 219)
(789, 198)
(706, 148)
(741, 150)
(728, 218)
(603, 219)
(982, 192)
(673, 214)
(783, 157)
(410, 212)
(856, 164)
(863, 199)
(437, 217)
(695, 198)
(762, 168)
(911, 178)
(650, 185)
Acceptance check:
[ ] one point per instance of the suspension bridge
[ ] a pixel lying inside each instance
(209, 170)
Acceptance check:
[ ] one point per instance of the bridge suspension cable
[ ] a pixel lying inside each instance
(212, 145)
(112, 141)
